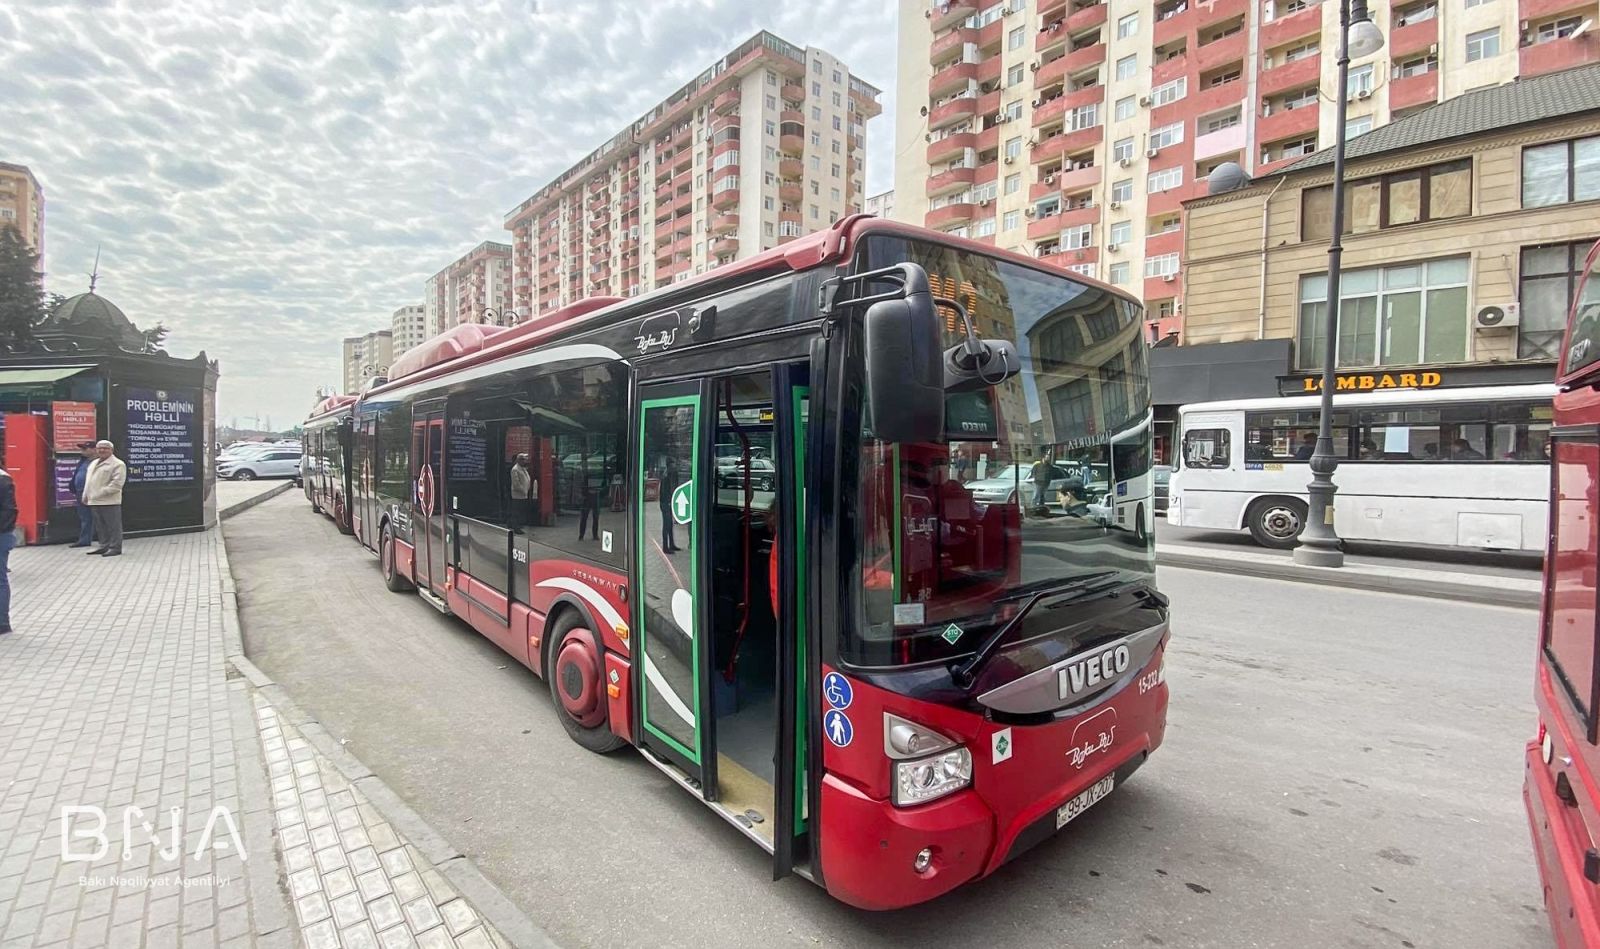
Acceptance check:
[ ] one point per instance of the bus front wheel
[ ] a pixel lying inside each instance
(1277, 522)
(575, 672)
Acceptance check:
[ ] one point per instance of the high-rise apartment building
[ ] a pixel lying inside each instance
(366, 357)
(22, 204)
(468, 289)
(881, 204)
(408, 327)
(765, 145)
(1074, 130)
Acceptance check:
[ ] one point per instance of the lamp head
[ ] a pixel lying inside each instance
(1364, 38)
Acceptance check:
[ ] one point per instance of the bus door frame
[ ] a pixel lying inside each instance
(365, 479)
(428, 494)
(798, 671)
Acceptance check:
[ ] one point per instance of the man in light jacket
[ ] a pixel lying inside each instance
(521, 493)
(102, 492)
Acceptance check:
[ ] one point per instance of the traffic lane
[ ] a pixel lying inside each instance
(1481, 562)
(1328, 752)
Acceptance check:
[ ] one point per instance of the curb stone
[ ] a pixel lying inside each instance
(1517, 594)
(249, 503)
(487, 898)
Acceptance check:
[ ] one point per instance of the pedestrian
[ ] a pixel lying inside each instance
(1040, 476)
(590, 514)
(80, 476)
(102, 492)
(669, 537)
(521, 492)
(8, 540)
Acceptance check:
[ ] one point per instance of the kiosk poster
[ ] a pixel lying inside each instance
(161, 434)
(65, 468)
(469, 450)
(71, 424)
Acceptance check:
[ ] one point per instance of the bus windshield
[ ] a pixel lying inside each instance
(1039, 482)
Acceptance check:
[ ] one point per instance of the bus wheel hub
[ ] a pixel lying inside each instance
(578, 676)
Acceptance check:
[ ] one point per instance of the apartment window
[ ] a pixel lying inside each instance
(1015, 74)
(1169, 91)
(1166, 135)
(1302, 51)
(1122, 149)
(1127, 26)
(1360, 80)
(1293, 149)
(726, 182)
(1014, 147)
(816, 88)
(1122, 191)
(1475, 3)
(816, 163)
(984, 192)
(1216, 123)
(772, 102)
(1166, 309)
(771, 127)
(1128, 66)
(816, 113)
(772, 78)
(1418, 66)
(1161, 265)
(816, 187)
(1483, 44)
(789, 229)
(1012, 220)
(1085, 116)
(838, 126)
(1556, 29)
(1121, 232)
(1301, 99)
(1360, 125)
(1077, 238)
(837, 101)
(1403, 197)
(834, 194)
(1164, 179)
(1415, 13)
(1388, 316)
(816, 139)
(1169, 224)
(816, 66)
(1126, 108)
(1118, 273)
(767, 203)
(1016, 38)
(984, 228)
(835, 167)
(1013, 110)
(1013, 183)
(1223, 78)
(838, 77)
(1550, 274)
(1561, 172)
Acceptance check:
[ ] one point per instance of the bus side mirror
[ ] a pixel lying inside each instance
(905, 368)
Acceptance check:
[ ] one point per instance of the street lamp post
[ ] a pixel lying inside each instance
(492, 315)
(1319, 541)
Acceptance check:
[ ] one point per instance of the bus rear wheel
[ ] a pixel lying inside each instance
(575, 672)
(1276, 522)
(391, 575)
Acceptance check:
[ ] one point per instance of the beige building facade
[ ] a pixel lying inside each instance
(366, 357)
(476, 288)
(22, 205)
(408, 327)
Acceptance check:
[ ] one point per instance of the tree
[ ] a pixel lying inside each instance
(21, 287)
(52, 303)
(154, 336)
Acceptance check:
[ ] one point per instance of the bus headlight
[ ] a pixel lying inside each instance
(928, 779)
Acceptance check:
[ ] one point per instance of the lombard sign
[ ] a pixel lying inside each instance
(1363, 382)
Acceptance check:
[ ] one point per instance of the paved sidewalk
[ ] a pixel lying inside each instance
(149, 796)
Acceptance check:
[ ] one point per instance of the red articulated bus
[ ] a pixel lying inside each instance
(812, 533)
(325, 458)
(1562, 786)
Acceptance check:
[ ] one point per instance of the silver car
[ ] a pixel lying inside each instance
(280, 461)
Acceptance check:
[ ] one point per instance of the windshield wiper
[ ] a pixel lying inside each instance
(967, 673)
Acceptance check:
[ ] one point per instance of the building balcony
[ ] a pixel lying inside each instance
(726, 101)
(1415, 38)
(942, 16)
(951, 78)
(792, 218)
(1045, 228)
(1169, 69)
(789, 190)
(1061, 105)
(791, 168)
(956, 179)
(1167, 242)
(1078, 179)
(1051, 37)
(1162, 288)
(722, 148)
(951, 147)
(1072, 258)
(1070, 63)
(944, 47)
(1287, 123)
(988, 138)
(1220, 142)
(1177, 25)
(1199, 102)
(726, 198)
(1407, 91)
(949, 113)
(794, 116)
(989, 36)
(1559, 54)
(1540, 9)
(725, 223)
(725, 246)
(1040, 190)
(1053, 10)
(1077, 217)
(1229, 49)
(663, 194)
(1067, 143)
(1170, 200)
(1301, 72)
(792, 144)
(1292, 27)
(1220, 11)
(1087, 17)
(950, 214)
(794, 91)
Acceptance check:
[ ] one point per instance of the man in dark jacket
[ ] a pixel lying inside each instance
(85, 513)
(8, 539)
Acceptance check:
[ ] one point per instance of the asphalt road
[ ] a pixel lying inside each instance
(1341, 769)
(1456, 560)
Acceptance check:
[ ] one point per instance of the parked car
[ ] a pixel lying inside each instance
(1002, 486)
(277, 462)
(1163, 474)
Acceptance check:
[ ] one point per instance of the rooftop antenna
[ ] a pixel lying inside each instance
(94, 274)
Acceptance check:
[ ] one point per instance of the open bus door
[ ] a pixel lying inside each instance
(427, 494)
(720, 596)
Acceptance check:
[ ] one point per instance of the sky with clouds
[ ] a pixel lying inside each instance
(267, 178)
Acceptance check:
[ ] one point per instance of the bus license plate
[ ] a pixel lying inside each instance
(1084, 801)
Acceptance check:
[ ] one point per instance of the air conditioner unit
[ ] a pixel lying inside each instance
(1144, 100)
(1168, 278)
(1049, 179)
(1152, 152)
(1037, 103)
(1363, 94)
(1010, 160)
(1027, 212)
(1111, 247)
(984, 203)
(1116, 205)
(1496, 316)
(1124, 162)
(924, 110)
(1433, 48)
(1033, 66)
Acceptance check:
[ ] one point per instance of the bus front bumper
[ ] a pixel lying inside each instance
(1559, 848)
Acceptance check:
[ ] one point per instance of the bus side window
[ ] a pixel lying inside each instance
(1205, 448)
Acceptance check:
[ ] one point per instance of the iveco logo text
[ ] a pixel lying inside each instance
(1099, 668)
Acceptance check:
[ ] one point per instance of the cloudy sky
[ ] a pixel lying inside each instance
(267, 178)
